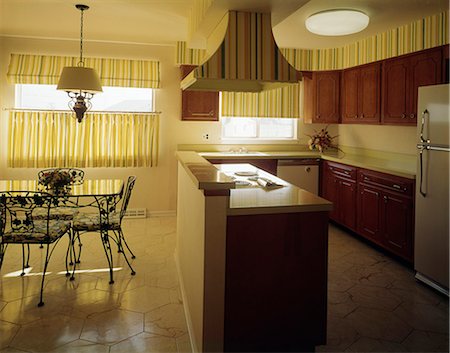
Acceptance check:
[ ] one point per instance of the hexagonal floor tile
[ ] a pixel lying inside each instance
(112, 326)
(424, 317)
(144, 343)
(8, 331)
(167, 320)
(144, 299)
(421, 341)
(365, 344)
(374, 297)
(81, 346)
(25, 310)
(378, 324)
(46, 334)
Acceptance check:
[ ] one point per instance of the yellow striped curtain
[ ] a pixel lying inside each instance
(277, 103)
(40, 139)
(45, 69)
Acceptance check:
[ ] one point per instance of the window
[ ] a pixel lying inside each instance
(259, 128)
(127, 99)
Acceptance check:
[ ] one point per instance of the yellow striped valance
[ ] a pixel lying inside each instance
(40, 139)
(277, 103)
(45, 69)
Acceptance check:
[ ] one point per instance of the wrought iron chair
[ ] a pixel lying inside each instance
(18, 226)
(93, 222)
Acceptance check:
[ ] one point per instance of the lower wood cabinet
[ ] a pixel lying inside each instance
(339, 187)
(377, 206)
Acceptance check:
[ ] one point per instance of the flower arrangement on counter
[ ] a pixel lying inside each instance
(321, 140)
(56, 179)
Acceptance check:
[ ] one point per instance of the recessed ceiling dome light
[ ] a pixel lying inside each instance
(337, 22)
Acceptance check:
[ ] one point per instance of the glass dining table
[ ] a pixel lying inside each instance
(103, 194)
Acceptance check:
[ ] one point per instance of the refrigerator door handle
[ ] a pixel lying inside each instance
(421, 149)
(425, 114)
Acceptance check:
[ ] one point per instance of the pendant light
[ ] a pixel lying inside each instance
(80, 82)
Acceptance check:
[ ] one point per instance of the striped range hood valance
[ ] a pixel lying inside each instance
(248, 60)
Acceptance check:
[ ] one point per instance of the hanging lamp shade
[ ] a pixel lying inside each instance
(75, 79)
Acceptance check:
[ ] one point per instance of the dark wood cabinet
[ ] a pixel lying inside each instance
(385, 211)
(198, 105)
(276, 282)
(322, 97)
(401, 78)
(377, 206)
(268, 165)
(339, 187)
(360, 94)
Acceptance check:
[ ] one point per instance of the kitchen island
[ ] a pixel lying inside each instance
(252, 260)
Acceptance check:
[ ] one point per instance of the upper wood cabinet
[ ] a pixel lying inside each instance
(360, 94)
(198, 105)
(322, 97)
(402, 77)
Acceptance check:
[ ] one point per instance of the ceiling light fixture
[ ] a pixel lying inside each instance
(337, 22)
(80, 83)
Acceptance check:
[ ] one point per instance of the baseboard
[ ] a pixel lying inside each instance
(161, 213)
(421, 277)
(185, 305)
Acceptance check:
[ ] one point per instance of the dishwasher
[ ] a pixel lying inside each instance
(303, 173)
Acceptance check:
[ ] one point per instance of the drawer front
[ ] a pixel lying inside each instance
(391, 182)
(341, 170)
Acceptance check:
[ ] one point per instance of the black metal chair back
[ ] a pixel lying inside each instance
(127, 195)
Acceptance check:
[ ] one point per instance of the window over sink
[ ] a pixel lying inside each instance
(259, 128)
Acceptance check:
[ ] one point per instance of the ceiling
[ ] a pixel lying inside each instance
(164, 22)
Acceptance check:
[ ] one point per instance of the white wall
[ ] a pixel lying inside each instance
(398, 139)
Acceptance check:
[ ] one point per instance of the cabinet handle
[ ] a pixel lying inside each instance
(318, 116)
(355, 117)
(362, 116)
(403, 116)
(385, 199)
(412, 116)
(202, 114)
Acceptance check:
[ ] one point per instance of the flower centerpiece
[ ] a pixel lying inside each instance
(56, 179)
(321, 140)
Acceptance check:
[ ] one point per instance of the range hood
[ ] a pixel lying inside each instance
(246, 60)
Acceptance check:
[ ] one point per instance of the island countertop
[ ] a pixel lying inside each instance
(402, 165)
(253, 198)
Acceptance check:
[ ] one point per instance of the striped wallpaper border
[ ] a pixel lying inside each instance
(429, 32)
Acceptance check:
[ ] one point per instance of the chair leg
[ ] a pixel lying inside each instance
(27, 263)
(69, 254)
(47, 258)
(122, 239)
(108, 253)
(2, 253)
(23, 260)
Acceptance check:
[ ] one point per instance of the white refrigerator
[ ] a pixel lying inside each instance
(431, 245)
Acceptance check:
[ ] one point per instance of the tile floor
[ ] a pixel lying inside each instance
(375, 305)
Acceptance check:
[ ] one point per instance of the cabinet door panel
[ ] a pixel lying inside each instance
(397, 224)
(369, 94)
(395, 91)
(349, 94)
(426, 69)
(347, 203)
(327, 97)
(199, 105)
(329, 192)
(369, 212)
